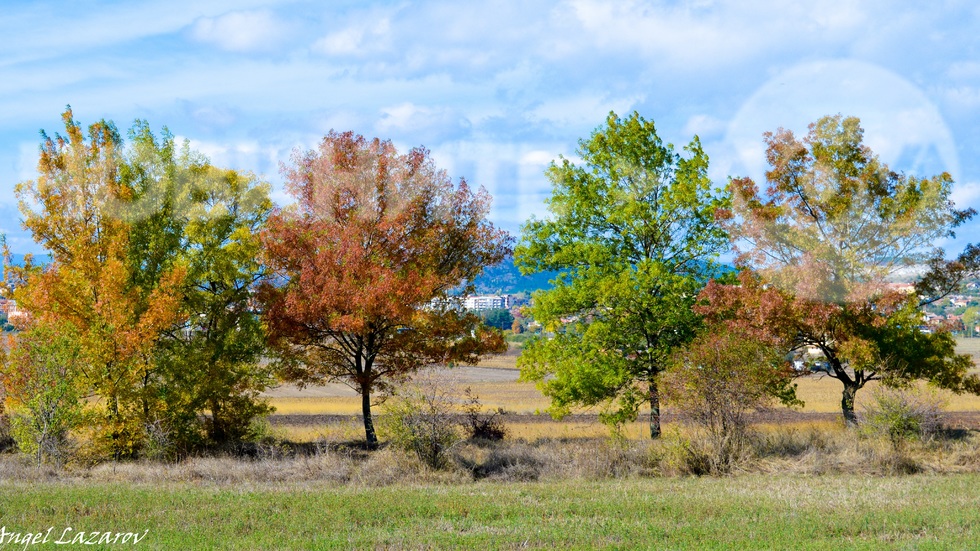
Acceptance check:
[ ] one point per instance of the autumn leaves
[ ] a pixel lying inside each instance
(177, 279)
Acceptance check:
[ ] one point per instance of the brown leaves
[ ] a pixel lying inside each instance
(374, 237)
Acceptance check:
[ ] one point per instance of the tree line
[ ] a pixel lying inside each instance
(178, 292)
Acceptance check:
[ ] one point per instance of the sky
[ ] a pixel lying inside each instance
(496, 90)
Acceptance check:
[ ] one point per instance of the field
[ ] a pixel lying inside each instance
(804, 482)
(748, 512)
(322, 411)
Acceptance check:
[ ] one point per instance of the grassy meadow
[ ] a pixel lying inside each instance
(802, 482)
(748, 512)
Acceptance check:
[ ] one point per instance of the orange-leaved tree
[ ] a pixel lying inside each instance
(74, 209)
(367, 258)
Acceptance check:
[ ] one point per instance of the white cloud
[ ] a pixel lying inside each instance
(588, 108)
(964, 70)
(698, 35)
(421, 123)
(675, 35)
(963, 98)
(901, 123)
(359, 39)
(966, 194)
(241, 31)
(537, 158)
(261, 158)
(27, 161)
(704, 126)
(43, 30)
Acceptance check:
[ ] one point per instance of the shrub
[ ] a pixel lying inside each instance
(904, 415)
(513, 463)
(6, 439)
(419, 418)
(39, 377)
(716, 381)
(480, 425)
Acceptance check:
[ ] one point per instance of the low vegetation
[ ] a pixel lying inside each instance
(344, 497)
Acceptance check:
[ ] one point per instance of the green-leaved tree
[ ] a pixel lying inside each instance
(632, 232)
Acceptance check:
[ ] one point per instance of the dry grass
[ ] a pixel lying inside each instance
(801, 449)
(530, 429)
(495, 381)
(969, 346)
(334, 405)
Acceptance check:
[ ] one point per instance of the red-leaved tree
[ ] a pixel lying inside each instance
(366, 259)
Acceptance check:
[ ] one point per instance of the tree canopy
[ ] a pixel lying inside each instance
(632, 232)
(147, 240)
(366, 259)
(832, 224)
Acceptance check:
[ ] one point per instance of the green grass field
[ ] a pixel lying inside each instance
(817, 487)
(747, 512)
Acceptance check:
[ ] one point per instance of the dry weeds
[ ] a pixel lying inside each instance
(819, 449)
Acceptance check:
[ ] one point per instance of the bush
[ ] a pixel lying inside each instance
(479, 425)
(716, 381)
(419, 418)
(39, 380)
(6, 439)
(904, 415)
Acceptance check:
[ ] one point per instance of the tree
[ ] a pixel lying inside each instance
(832, 224)
(971, 318)
(366, 259)
(632, 233)
(75, 209)
(154, 262)
(208, 367)
(501, 318)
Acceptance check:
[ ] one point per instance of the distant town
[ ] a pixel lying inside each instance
(959, 313)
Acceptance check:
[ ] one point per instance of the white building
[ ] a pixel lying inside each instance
(486, 302)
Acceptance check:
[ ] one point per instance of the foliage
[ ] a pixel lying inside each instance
(831, 225)
(632, 232)
(420, 418)
(904, 414)
(187, 212)
(80, 199)
(720, 377)
(374, 238)
(480, 425)
(971, 319)
(39, 376)
(153, 259)
(499, 318)
(835, 221)
(876, 340)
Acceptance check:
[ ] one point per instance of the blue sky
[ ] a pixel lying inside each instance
(495, 89)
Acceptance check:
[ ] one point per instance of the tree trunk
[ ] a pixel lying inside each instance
(847, 405)
(654, 411)
(372, 437)
(218, 433)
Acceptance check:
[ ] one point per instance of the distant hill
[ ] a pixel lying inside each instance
(505, 278)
